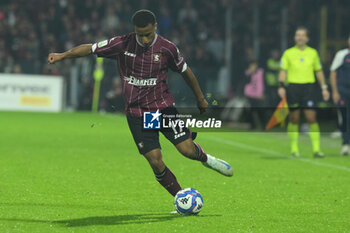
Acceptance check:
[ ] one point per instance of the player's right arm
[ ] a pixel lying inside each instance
(335, 93)
(336, 63)
(282, 79)
(79, 51)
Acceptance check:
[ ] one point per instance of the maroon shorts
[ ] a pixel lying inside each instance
(148, 139)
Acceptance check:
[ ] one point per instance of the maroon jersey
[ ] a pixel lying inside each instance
(143, 70)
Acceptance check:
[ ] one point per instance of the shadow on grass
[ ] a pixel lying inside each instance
(73, 206)
(109, 220)
(276, 157)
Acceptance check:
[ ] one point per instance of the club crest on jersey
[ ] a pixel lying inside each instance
(156, 57)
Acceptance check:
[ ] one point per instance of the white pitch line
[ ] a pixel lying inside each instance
(271, 152)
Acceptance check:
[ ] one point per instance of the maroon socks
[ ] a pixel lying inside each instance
(168, 180)
(200, 154)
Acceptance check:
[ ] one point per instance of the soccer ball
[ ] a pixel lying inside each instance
(188, 201)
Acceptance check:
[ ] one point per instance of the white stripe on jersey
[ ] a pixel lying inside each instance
(153, 42)
(93, 48)
(175, 59)
(339, 59)
(150, 75)
(126, 73)
(132, 87)
(143, 58)
(184, 68)
(161, 86)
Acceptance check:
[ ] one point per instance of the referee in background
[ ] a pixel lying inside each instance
(298, 66)
(340, 83)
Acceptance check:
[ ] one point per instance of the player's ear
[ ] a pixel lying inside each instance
(155, 26)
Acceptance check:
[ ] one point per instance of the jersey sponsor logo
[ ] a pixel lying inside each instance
(129, 54)
(151, 119)
(141, 82)
(102, 43)
(156, 57)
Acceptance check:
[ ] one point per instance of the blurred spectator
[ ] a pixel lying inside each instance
(188, 13)
(17, 69)
(165, 21)
(254, 91)
(203, 62)
(271, 77)
(114, 100)
(216, 45)
(111, 21)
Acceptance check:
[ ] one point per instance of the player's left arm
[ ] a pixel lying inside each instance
(322, 81)
(192, 82)
(320, 77)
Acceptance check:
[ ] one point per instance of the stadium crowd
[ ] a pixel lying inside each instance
(30, 30)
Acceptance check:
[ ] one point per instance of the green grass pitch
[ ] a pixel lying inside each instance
(81, 172)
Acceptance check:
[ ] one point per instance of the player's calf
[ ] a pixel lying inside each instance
(154, 158)
(168, 180)
(192, 150)
(163, 174)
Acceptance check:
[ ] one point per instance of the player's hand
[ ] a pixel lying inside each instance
(325, 94)
(202, 105)
(54, 57)
(281, 92)
(336, 97)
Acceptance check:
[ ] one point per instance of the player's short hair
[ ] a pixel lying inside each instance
(303, 28)
(142, 18)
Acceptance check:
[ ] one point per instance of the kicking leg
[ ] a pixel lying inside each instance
(193, 150)
(163, 175)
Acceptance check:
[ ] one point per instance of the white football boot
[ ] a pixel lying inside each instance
(345, 149)
(218, 165)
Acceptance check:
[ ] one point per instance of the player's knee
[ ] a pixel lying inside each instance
(156, 162)
(294, 119)
(311, 120)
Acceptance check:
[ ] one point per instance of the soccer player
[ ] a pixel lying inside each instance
(143, 59)
(340, 82)
(299, 65)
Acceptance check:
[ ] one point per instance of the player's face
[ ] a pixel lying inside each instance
(146, 34)
(301, 37)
